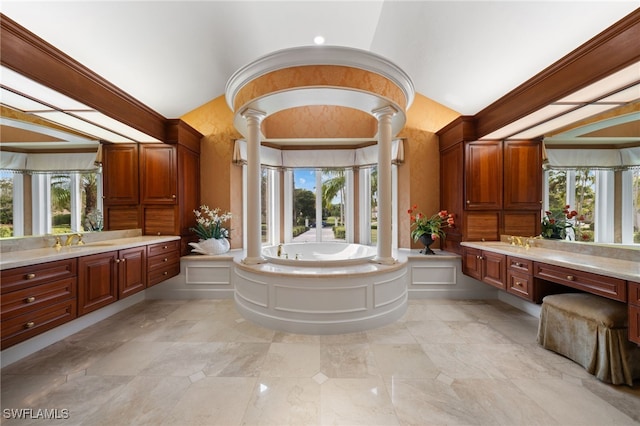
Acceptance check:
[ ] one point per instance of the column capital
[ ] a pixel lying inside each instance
(387, 110)
(253, 113)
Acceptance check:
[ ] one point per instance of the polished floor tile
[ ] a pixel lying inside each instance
(446, 362)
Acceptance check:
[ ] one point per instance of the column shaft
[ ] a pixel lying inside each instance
(253, 226)
(384, 254)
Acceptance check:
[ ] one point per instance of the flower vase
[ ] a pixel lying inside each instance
(426, 241)
(211, 246)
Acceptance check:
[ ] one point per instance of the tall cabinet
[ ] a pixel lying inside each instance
(494, 187)
(154, 186)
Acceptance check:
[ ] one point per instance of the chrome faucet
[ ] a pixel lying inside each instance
(69, 241)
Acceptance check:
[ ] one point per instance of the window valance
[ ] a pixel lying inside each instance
(613, 159)
(20, 162)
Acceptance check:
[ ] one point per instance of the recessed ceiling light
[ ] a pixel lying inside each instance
(318, 40)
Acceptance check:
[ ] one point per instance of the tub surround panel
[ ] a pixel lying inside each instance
(208, 275)
(357, 299)
(334, 300)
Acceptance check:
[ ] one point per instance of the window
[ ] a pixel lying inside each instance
(6, 205)
(592, 192)
(369, 205)
(65, 202)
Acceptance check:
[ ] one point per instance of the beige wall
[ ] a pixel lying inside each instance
(419, 176)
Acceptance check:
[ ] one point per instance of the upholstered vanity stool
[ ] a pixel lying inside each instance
(592, 331)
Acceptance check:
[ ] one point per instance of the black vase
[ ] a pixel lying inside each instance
(426, 241)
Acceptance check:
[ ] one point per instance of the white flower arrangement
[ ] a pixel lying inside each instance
(209, 223)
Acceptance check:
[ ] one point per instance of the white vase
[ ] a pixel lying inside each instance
(211, 246)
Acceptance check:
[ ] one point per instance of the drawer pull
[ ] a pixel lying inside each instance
(165, 247)
(571, 277)
(518, 283)
(117, 260)
(30, 276)
(30, 324)
(30, 299)
(518, 264)
(165, 260)
(165, 273)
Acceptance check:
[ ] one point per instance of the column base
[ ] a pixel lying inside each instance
(254, 260)
(384, 260)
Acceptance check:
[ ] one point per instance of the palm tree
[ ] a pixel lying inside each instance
(332, 187)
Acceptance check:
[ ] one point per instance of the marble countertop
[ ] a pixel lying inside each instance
(15, 259)
(603, 265)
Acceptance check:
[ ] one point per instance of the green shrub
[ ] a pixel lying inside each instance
(339, 232)
(6, 231)
(636, 237)
(300, 229)
(62, 219)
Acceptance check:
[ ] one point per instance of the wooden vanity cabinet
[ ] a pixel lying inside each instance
(520, 278)
(37, 298)
(163, 262)
(132, 271)
(601, 285)
(106, 277)
(97, 281)
(634, 311)
(485, 266)
(493, 187)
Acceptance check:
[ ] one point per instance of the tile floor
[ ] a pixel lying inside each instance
(199, 363)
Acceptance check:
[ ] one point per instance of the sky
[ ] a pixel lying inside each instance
(304, 178)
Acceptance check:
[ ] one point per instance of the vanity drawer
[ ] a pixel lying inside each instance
(520, 265)
(613, 288)
(161, 248)
(29, 276)
(33, 298)
(520, 285)
(160, 262)
(160, 274)
(22, 327)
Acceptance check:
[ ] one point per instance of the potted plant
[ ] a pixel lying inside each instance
(428, 229)
(560, 226)
(214, 238)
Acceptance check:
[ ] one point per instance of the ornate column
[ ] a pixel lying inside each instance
(385, 202)
(254, 242)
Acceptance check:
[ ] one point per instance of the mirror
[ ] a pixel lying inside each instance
(50, 175)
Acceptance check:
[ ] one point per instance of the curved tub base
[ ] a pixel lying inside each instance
(361, 297)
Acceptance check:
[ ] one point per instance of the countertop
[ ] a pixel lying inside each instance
(609, 266)
(16, 259)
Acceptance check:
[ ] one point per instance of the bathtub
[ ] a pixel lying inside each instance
(332, 288)
(319, 254)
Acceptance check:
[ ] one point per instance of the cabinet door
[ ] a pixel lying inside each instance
(97, 281)
(522, 175)
(472, 262)
(120, 174)
(132, 271)
(483, 175)
(494, 269)
(158, 174)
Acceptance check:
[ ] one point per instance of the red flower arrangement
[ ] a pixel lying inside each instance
(433, 225)
(556, 227)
